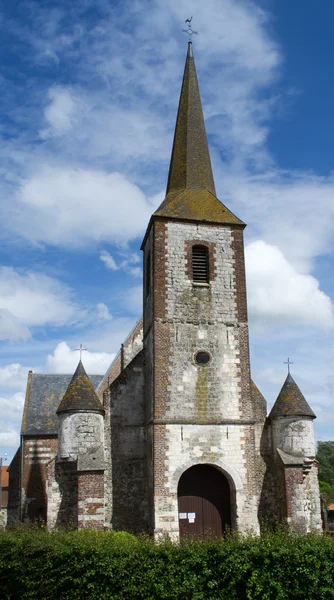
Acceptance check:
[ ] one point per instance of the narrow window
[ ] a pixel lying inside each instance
(148, 275)
(200, 264)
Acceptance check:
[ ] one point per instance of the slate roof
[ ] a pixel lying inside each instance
(80, 394)
(43, 396)
(291, 402)
(191, 193)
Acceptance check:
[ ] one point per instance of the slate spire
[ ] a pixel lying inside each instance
(80, 394)
(191, 190)
(190, 165)
(291, 402)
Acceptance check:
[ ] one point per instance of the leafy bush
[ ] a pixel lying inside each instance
(95, 565)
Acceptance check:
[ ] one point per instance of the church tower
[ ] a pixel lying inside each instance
(199, 408)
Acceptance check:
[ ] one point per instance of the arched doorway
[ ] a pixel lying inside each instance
(204, 502)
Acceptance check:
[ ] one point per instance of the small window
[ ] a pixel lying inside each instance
(202, 357)
(148, 275)
(200, 264)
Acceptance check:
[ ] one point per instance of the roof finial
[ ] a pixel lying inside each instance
(189, 31)
(81, 350)
(288, 362)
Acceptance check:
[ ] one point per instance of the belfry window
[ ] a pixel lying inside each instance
(200, 264)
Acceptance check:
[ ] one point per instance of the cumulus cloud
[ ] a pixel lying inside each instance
(29, 299)
(65, 360)
(278, 294)
(82, 204)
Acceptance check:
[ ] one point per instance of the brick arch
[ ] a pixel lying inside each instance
(230, 473)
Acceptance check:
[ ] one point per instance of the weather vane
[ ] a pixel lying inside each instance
(288, 362)
(189, 31)
(81, 350)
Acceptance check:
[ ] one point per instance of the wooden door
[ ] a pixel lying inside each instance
(204, 502)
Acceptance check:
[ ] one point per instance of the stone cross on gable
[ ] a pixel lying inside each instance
(81, 349)
(288, 362)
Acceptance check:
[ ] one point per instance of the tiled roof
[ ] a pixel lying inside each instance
(43, 396)
(291, 402)
(191, 193)
(80, 394)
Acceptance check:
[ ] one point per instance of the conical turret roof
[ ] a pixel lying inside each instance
(291, 402)
(191, 190)
(80, 394)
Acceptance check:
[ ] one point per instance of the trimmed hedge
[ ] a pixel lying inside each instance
(94, 565)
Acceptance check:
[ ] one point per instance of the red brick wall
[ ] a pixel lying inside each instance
(91, 500)
(37, 452)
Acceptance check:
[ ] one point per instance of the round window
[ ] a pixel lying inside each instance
(202, 357)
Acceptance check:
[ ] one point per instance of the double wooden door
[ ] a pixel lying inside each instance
(204, 502)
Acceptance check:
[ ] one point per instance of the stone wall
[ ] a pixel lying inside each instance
(129, 450)
(78, 432)
(62, 494)
(302, 498)
(294, 435)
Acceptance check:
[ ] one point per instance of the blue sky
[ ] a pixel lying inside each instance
(88, 106)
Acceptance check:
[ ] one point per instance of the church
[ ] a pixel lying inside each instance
(175, 438)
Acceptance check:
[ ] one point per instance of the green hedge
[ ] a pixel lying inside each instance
(95, 565)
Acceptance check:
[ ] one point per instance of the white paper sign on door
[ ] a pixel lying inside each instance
(191, 517)
(182, 515)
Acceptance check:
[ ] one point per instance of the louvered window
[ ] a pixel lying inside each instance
(200, 264)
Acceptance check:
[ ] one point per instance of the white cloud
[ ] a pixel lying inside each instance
(9, 438)
(65, 360)
(14, 376)
(11, 328)
(11, 406)
(59, 113)
(279, 294)
(127, 263)
(108, 260)
(82, 205)
(103, 312)
(34, 299)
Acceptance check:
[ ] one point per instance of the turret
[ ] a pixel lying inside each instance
(292, 421)
(80, 418)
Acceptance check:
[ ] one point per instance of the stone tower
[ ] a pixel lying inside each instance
(76, 475)
(294, 464)
(198, 389)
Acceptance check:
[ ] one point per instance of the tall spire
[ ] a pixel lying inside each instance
(190, 165)
(191, 190)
